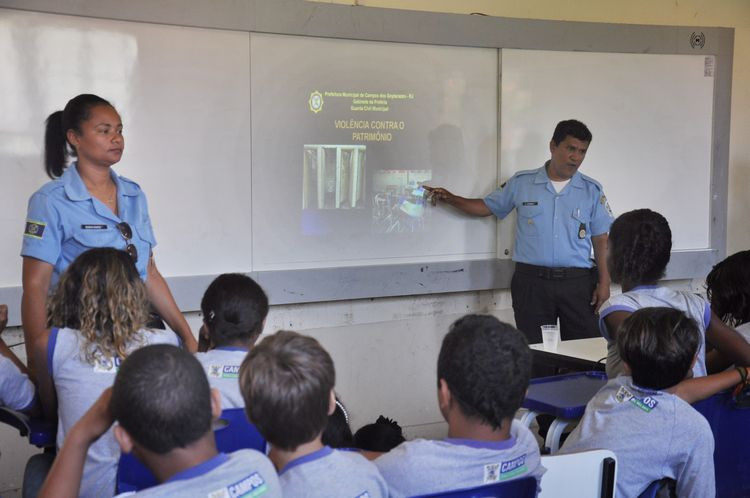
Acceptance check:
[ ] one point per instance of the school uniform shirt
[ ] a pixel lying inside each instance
(222, 366)
(652, 296)
(654, 434)
(553, 229)
(16, 390)
(78, 385)
(244, 473)
(64, 220)
(424, 466)
(328, 472)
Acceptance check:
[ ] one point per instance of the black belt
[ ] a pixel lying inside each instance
(548, 273)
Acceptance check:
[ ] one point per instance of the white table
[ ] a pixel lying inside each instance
(591, 350)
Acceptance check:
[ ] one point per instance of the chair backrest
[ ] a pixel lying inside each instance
(586, 474)
(516, 488)
(662, 487)
(232, 432)
(41, 433)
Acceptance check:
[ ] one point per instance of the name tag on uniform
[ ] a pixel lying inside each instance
(94, 227)
(530, 203)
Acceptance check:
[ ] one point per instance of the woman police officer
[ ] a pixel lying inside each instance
(87, 205)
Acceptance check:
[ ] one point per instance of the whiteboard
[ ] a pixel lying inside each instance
(346, 131)
(651, 120)
(184, 97)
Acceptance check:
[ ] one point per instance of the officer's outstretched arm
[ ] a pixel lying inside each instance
(473, 207)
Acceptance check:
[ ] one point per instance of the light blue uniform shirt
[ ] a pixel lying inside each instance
(552, 229)
(17, 392)
(64, 220)
(222, 366)
(421, 466)
(654, 434)
(652, 296)
(78, 385)
(244, 473)
(328, 472)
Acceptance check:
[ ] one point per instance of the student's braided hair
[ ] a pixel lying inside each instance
(640, 242)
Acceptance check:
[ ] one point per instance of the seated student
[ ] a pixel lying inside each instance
(641, 417)
(382, 436)
(337, 433)
(483, 372)
(17, 392)
(728, 291)
(164, 408)
(234, 311)
(287, 381)
(640, 242)
(101, 308)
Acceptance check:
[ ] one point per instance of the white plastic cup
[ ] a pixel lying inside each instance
(550, 337)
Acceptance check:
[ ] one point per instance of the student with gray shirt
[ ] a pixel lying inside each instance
(483, 372)
(164, 408)
(287, 381)
(97, 316)
(654, 433)
(234, 311)
(639, 248)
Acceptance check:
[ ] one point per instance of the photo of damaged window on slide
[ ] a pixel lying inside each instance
(334, 178)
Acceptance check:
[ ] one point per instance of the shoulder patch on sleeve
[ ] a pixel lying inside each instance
(34, 229)
(603, 201)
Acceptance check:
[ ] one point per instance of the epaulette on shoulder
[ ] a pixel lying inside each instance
(128, 180)
(591, 180)
(527, 172)
(51, 186)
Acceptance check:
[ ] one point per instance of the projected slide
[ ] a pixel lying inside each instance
(346, 134)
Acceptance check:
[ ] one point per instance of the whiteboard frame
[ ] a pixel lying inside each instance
(297, 17)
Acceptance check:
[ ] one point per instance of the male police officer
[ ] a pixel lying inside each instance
(561, 215)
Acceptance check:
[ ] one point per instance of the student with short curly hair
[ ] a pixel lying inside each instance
(482, 372)
(234, 311)
(287, 381)
(640, 242)
(97, 317)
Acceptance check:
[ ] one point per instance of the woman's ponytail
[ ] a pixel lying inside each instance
(55, 145)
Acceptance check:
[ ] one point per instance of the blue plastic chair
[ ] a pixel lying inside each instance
(729, 425)
(232, 432)
(41, 433)
(516, 488)
(562, 396)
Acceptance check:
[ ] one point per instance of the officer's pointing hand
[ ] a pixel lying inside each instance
(438, 194)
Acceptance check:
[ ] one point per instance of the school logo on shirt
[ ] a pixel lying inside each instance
(249, 487)
(224, 371)
(494, 472)
(34, 229)
(646, 404)
(107, 365)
